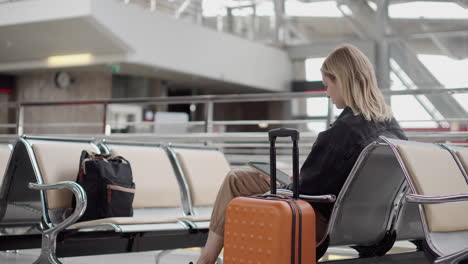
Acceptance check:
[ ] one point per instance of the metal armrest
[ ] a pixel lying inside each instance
(80, 196)
(328, 198)
(49, 236)
(428, 199)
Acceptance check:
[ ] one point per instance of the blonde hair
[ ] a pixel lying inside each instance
(358, 85)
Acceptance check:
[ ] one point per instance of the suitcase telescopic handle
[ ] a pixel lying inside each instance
(294, 134)
(283, 132)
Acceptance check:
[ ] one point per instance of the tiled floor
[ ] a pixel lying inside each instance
(175, 257)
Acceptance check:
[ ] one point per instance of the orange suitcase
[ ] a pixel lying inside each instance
(271, 229)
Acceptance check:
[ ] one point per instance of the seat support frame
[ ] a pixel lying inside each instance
(49, 236)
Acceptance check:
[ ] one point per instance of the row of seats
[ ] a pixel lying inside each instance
(438, 183)
(175, 190)
(176, 187)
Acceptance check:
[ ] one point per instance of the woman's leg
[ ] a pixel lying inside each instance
(239, 182)
(321, 226)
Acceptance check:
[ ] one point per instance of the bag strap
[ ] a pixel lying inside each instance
(120, 158)
(81, 167)
(84, 155)
(100, 156)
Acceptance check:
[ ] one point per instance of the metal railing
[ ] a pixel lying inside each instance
(239, 147)
(207, 133)
(177, 8)
(209, 102)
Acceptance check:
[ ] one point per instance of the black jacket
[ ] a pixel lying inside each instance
(336, 150)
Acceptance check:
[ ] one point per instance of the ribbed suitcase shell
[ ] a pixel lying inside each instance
(259, 231)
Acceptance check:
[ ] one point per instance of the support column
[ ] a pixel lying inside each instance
(159, 88)
(382, 46)
(229, 21)
(299, 106)
(280, 22)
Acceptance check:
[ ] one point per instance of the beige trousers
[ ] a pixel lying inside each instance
(247, 182)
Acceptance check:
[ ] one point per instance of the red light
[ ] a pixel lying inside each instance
(6, 90)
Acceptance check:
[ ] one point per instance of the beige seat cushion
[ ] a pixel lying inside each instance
(154, 177)
(462, 154)
(126, 221)
(59, 161)
(5, 153)
(205, 171)
(434, 172)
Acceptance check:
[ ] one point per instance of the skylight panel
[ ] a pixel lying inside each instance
(429, 10)
(313, 66)
(462, 100)
(407, 110)
(314, 9)
(213, 8)
(317, 106)
(396, 84)
(401, 81)
(450, 72)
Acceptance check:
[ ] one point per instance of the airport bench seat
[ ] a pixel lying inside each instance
(362, 217)
(157, 205)
(176, 188)
(437, 182)
(370, 212)
(202, 170)
(21, 207)
(364, 214)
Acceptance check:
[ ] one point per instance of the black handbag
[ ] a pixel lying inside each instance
(109, 186)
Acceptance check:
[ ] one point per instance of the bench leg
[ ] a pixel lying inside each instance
(48, 249)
